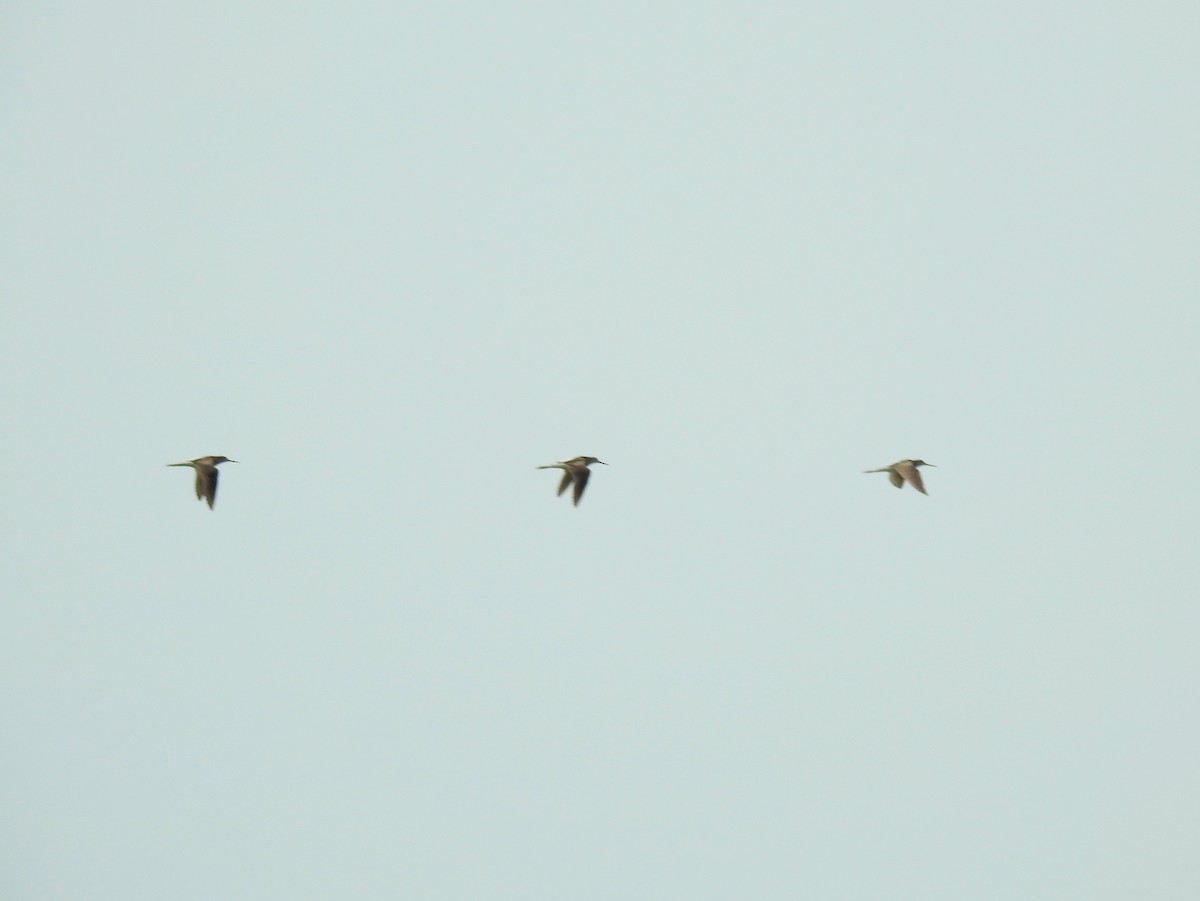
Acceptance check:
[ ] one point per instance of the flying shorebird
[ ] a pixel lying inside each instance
(206, 476)
(575, 471)
(905, 471)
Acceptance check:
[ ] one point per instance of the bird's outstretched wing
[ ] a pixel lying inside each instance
(567, 478)
(911, 474)
(206, 484)
(581, 480)
(895, 478)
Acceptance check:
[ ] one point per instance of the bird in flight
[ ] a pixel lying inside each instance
(206, 476)
(576, 472)
(905, 471)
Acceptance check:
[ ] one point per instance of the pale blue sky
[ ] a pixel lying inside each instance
(392, 257)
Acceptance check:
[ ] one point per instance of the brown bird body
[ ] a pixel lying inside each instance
(206, 476)
(905, 471)
(575, 472)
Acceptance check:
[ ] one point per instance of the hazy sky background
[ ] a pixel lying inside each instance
(391, 257)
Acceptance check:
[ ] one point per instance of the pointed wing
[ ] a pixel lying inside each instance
(911, 474)
(895, 478)
(206, 484)
(581, 480)
(566, 480)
